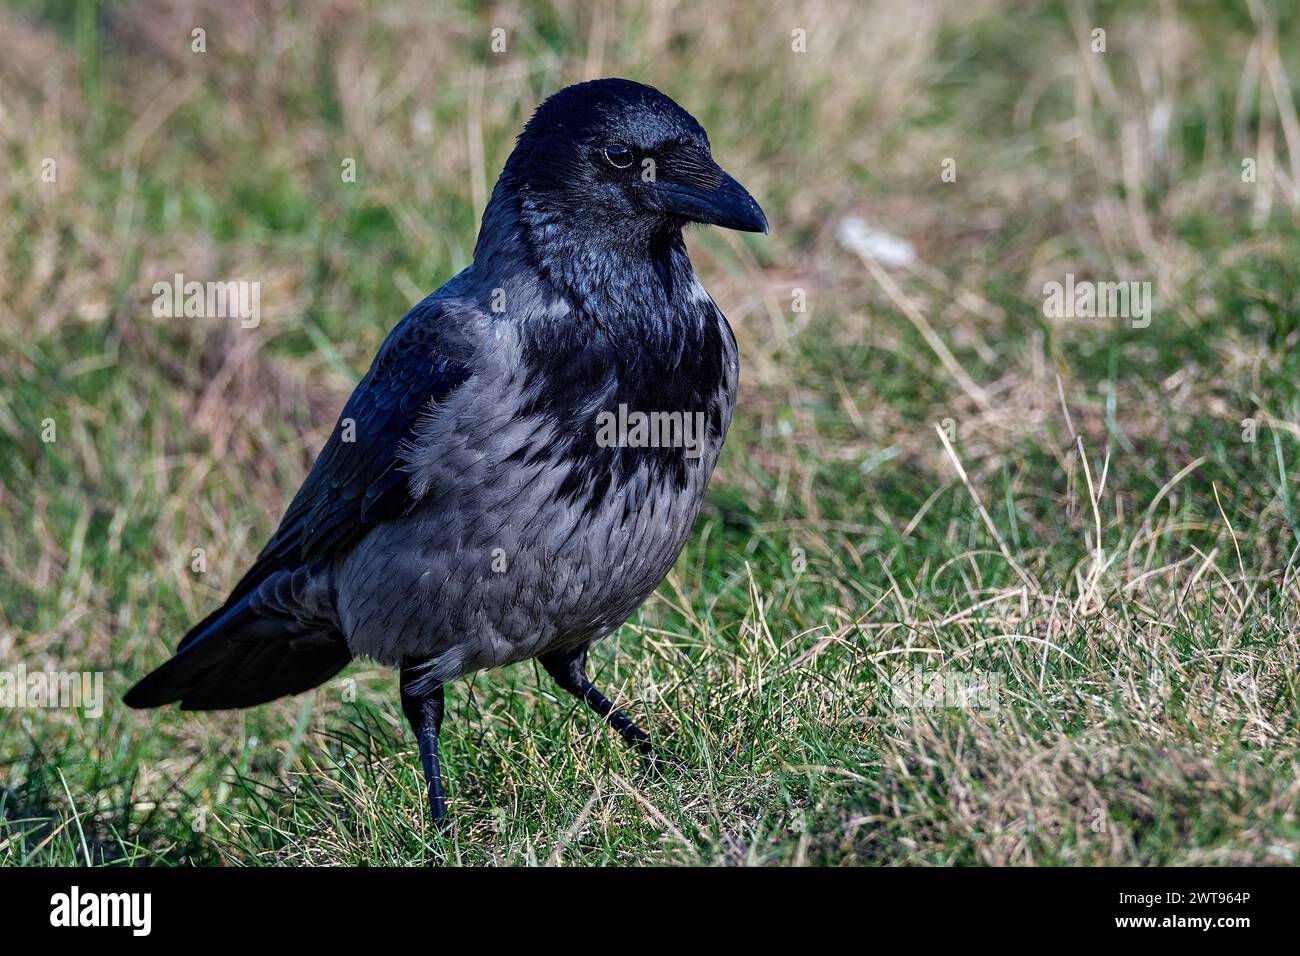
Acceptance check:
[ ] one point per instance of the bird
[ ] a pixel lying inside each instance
(470, 509)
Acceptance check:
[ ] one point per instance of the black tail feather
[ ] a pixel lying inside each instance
(278, 639)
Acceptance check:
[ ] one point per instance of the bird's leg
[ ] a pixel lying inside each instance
(569, 670)
(423, 708)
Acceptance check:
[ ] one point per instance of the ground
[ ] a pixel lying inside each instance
(1076, 536)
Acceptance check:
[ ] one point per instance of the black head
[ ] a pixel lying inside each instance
(622, 164)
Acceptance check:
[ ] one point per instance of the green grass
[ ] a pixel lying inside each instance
(1142, 630)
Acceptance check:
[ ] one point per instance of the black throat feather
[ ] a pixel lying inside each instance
(629, 326)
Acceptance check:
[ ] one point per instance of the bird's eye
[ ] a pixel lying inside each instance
(618, 156)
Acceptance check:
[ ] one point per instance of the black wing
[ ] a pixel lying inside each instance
(358, 482)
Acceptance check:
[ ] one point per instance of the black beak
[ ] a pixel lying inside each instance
(727, 204)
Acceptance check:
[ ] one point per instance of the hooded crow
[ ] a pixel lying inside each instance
(525, 458)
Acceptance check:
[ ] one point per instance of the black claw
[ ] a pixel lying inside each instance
(569, 671)
(660, 763)
(656, 762)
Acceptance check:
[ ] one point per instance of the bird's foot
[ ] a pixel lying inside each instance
(736, 750)
(657, 762)
(438, 813)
